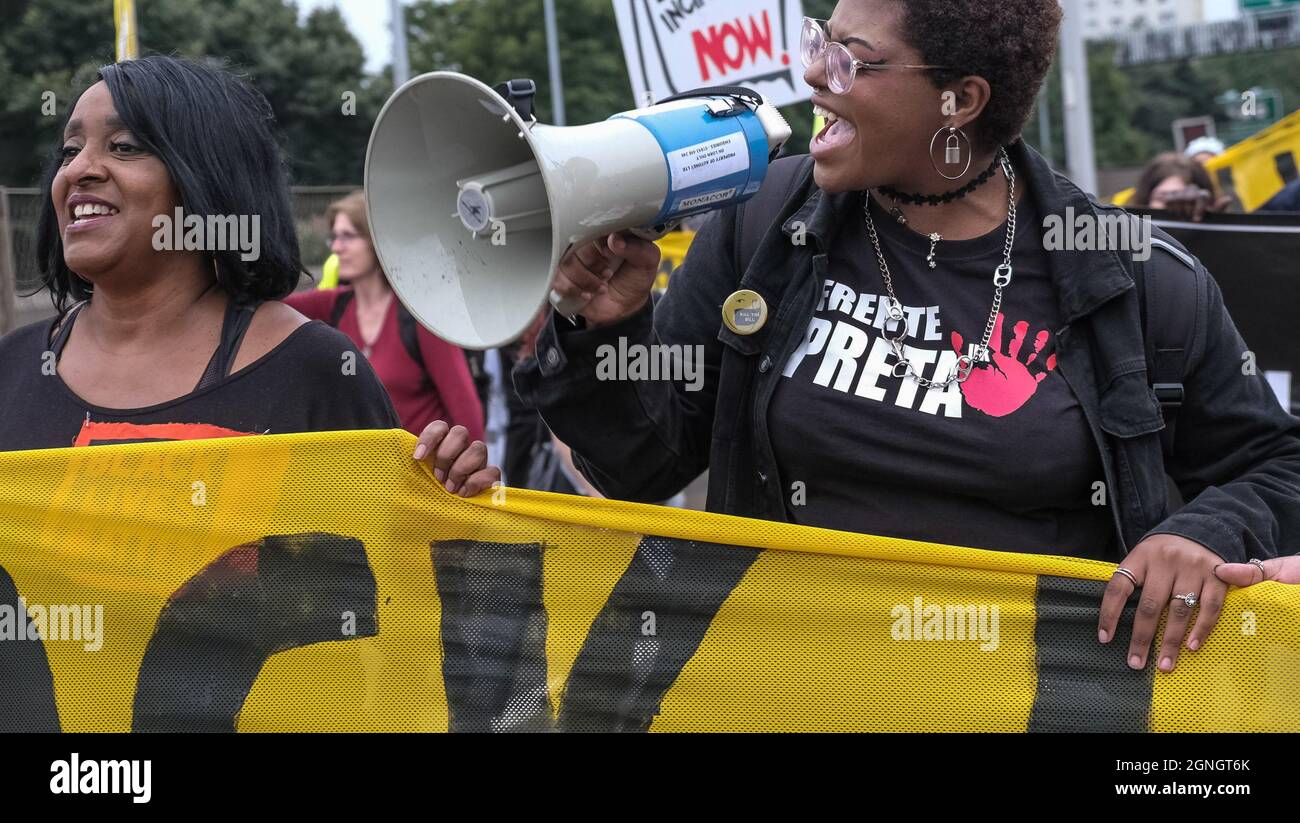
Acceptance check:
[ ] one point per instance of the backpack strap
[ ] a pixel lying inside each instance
(784, 176)
(482, 378)
(408, 328)
(1167, 331)
(406, 324)
(340, 305)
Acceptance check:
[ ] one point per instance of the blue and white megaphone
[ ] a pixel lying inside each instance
(472, 202)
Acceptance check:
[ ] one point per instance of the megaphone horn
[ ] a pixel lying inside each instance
(473, 203)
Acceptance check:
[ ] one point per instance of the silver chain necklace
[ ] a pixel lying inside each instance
(1001, 279)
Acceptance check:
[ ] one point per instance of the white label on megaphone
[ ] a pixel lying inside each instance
(709, 161)
(706, 154)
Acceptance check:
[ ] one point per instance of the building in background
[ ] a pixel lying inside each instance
(1103, 18)
(1264, 6)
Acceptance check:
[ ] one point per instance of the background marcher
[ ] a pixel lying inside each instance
(427, 378)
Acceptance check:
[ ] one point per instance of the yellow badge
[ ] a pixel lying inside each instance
(745, 312)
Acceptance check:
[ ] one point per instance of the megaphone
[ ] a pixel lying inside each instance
(472, 203)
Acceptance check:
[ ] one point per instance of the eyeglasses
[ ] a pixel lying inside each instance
(841, 66)
(343, 237)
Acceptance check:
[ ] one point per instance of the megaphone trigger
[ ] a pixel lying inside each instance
(567, 308)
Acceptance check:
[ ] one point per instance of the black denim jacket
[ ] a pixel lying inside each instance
(1235, 458)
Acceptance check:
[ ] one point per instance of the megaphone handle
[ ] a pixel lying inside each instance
(568, 308)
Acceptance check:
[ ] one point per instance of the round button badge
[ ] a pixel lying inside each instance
(744, 312)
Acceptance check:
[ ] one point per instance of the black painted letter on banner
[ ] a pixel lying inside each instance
(216, 632)
(493, 636)
(622, 674)
(27, 704)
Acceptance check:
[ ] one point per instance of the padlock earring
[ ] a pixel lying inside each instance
(952, 151)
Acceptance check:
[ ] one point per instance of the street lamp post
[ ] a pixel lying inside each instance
(1076, 99)
(553, 55)
(401, 60)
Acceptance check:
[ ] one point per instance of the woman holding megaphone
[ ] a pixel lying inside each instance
(903, 336)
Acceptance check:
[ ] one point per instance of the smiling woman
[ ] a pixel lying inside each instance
(157, 339)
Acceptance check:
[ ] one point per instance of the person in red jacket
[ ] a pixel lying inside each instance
(427, 378)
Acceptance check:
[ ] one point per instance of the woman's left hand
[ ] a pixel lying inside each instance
(1278, 569)
(1164, 565)
(458, 464)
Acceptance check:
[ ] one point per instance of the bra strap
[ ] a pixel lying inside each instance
(65, 331)
(233, 327)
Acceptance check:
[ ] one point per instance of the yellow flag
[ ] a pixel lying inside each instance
(128, 46)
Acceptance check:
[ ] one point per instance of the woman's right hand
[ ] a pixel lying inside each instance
(460, 465)
(610, 295)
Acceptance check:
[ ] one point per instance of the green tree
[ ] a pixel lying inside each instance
(1115, 104)
(304, 69)
(496, 40)
(1190, 88)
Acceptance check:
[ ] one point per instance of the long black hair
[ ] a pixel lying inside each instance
(213, 132)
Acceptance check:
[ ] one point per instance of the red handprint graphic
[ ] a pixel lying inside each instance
(1007, 384)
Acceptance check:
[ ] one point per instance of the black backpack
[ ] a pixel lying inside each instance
(1168, 335)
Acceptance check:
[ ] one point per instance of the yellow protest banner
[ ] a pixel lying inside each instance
(327, 582)
(1254, 167)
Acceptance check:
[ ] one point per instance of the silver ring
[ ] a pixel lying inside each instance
(1190, 599)
(1129, 575)
(1263, 575)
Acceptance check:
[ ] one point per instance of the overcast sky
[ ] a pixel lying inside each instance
(368, 20)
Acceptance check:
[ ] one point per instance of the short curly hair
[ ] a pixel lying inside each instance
(1010, 43)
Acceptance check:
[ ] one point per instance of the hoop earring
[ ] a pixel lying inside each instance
(952, 151)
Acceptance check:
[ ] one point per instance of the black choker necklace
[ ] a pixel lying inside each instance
(937, 199)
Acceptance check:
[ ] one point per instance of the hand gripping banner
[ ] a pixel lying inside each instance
(326, 582)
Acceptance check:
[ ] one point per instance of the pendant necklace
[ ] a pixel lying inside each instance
(966, 363)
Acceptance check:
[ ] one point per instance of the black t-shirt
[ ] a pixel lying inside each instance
(1005, 461)
(304, 384)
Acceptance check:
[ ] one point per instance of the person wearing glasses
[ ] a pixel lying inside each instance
(928, 359)
(428, 379)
